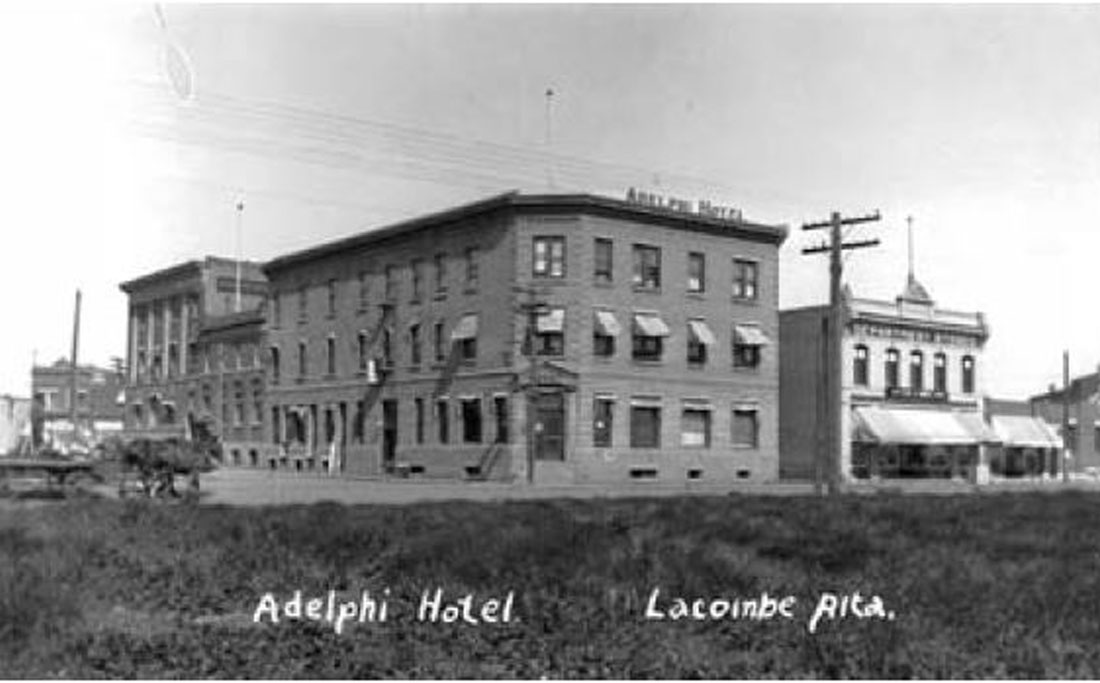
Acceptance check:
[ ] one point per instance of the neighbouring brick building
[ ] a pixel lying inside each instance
(912, 388)
(15, 424)
(562, 338)
(1084, 419)
(194, 351)
(98, 408)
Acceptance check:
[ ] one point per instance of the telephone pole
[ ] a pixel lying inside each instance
(834, 372)
(1065, 417)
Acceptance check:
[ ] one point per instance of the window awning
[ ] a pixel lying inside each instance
(749, 335)
(701, 332)
(606, 324)
(919, 427)
(650, 325)
(1023, 431)
(550, 320)
(465, 329)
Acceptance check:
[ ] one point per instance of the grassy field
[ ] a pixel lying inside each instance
(1003, 585)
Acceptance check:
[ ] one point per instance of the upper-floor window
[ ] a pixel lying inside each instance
(471, 266)
(748, 339)
(860, 365)
(649, 336)
(745, 428)
(440, 343)
(332, 297)
(330, 355)
(939, 373)
(302, 360)
(697, 272)
(414, 344)
(303, 302)
(549, 329)
(745, 279)
(695, 428)
(364, 290)
(275, 304)
(647, 267)
(916, 370)
(603, 418)
(891, 368)
(549, 256)
(465, 335)
(440, 272)
(391, 282)
(699, 337)
(417, 279)
(604, 260)
(363, 351)
(387, 345)
(968, 374)
(605, 329)
(645, 426)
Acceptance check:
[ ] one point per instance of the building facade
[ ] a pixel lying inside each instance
(194, 352)
(99, 412)
(1083, 437)
(912, 388)
(15, 424)
(550, 338)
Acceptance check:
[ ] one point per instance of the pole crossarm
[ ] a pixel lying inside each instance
(871, 217)
(823, 248)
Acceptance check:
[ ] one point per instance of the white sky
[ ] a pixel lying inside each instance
(983, 122)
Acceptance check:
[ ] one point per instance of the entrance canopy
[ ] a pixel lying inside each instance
(1023, 431)
(919, 427)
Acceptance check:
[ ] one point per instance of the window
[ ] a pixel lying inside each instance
(604, 260)
(471, 266)
(603, 345)
(648, 348)
(302, 365)
(549, 328)
(238, 407)
(361, 339)
(968, 374)
(891, 368)
(747, 341)
(649, 334)
(695, 428)
(332, 297)
(467, 349)
(697, 272)
(417, 279)
(549, 257)
(916, 370)
(699, 337)
(859, 366)
(647, 267)
(745, 428)
(603, 419)
(645, 427)
(745, 279)
(258, 406)
(605, 330)
(939, 373)
(414, 344)
(442, 421)
(471, 420)
(330, 355)
(440, 269)
(419, 420)
(440, 343)
(303, 302)
(387, 346)
(500, 408)
(274, 364)
(364, 291)
(391, 282)
(276, 310)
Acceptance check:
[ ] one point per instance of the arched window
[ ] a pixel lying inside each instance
(891, 368)
(859, 366)
(968, 374)
(939, 373)
(916, 370)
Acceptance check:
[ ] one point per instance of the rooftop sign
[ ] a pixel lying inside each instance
(701, 207)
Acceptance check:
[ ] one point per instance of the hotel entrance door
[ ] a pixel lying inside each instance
(549, 426)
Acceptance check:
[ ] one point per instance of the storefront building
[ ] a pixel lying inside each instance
(912, 389)
(1083, 436)
(546, 338)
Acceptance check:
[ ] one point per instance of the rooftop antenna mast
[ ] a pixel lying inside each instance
(240, 214)
(909, 221)
(549, 138)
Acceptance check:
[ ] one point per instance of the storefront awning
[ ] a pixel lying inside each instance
(606, 324)
(750, 335)
(550, 320)
(650, 325)
(465, 329)
(701, 332)
(1022, 431)
(919, 427)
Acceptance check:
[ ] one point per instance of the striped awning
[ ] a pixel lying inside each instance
(465, 329)
(750, 335)
(606, 324)
(1023, 431)
(650, 325)
(919, 427)
(550, 320)
(701, 332)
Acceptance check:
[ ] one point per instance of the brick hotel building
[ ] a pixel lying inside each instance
(556, 338)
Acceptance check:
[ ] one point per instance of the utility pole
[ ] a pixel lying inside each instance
(835, 371)
(529, 308)
(1065, 416)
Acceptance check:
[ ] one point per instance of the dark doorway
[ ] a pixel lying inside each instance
(389, 434)
(549, 426)
(500, 407)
